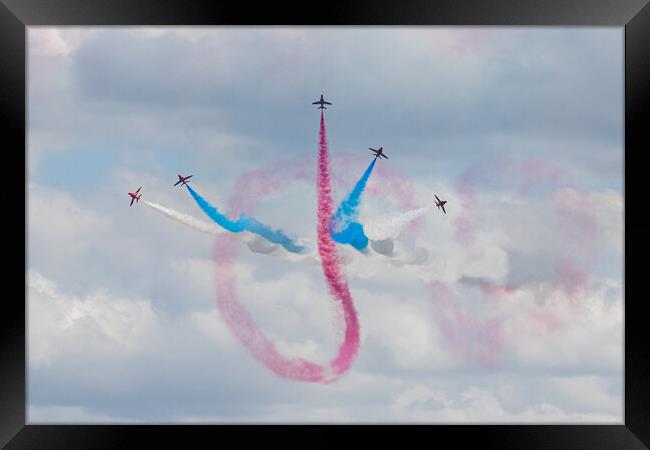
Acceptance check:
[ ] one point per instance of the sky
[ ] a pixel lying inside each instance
(507, 309)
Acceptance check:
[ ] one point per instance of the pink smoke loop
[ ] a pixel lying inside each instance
(249, 189)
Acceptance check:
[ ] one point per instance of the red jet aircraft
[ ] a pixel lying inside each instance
(378, 153)
(182, 179)
(135, 196)
(321, 102)
(440, 203)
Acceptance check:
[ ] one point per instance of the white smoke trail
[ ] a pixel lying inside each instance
(185, 219)
(386, 249)
(390, 227)
(254, 242)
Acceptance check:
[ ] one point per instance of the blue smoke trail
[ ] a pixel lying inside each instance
(353, 234)
(245, 223)
(275, 236)
(344, 228)
(234, 226)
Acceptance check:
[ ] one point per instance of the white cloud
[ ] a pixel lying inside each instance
(58, 228)
(402, 328)
(477, 405)
(123, 300)
(47, 42)
(589, 337)
(588, 392)
(419, 394)
(211, 325)
(60, 324)
(609, 217)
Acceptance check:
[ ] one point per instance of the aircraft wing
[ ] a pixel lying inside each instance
(187, 178)
(384, 156)
(176, 184)
(436, 197)
(443, 209)
(132, 198)
(327, 103)
(138, 189)
(315, 103)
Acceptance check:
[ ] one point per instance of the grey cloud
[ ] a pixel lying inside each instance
(557, 84)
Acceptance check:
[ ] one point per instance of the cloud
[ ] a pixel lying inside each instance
(122, 300)
(124, 342)
(399, 333)
(591, 336)
(98, 322)
(178, 99)
(588, 392)
(58, 229)
(47, 42)
(476, 405)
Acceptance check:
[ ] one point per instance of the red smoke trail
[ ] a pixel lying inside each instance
(249, 189)
(332, 268)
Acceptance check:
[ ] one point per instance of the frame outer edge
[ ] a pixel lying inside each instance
(12, 124)
(12, 406)
(637, 107)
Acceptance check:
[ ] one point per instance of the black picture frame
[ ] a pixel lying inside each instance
(16, 15)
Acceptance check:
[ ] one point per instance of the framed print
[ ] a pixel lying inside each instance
(263, 219)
